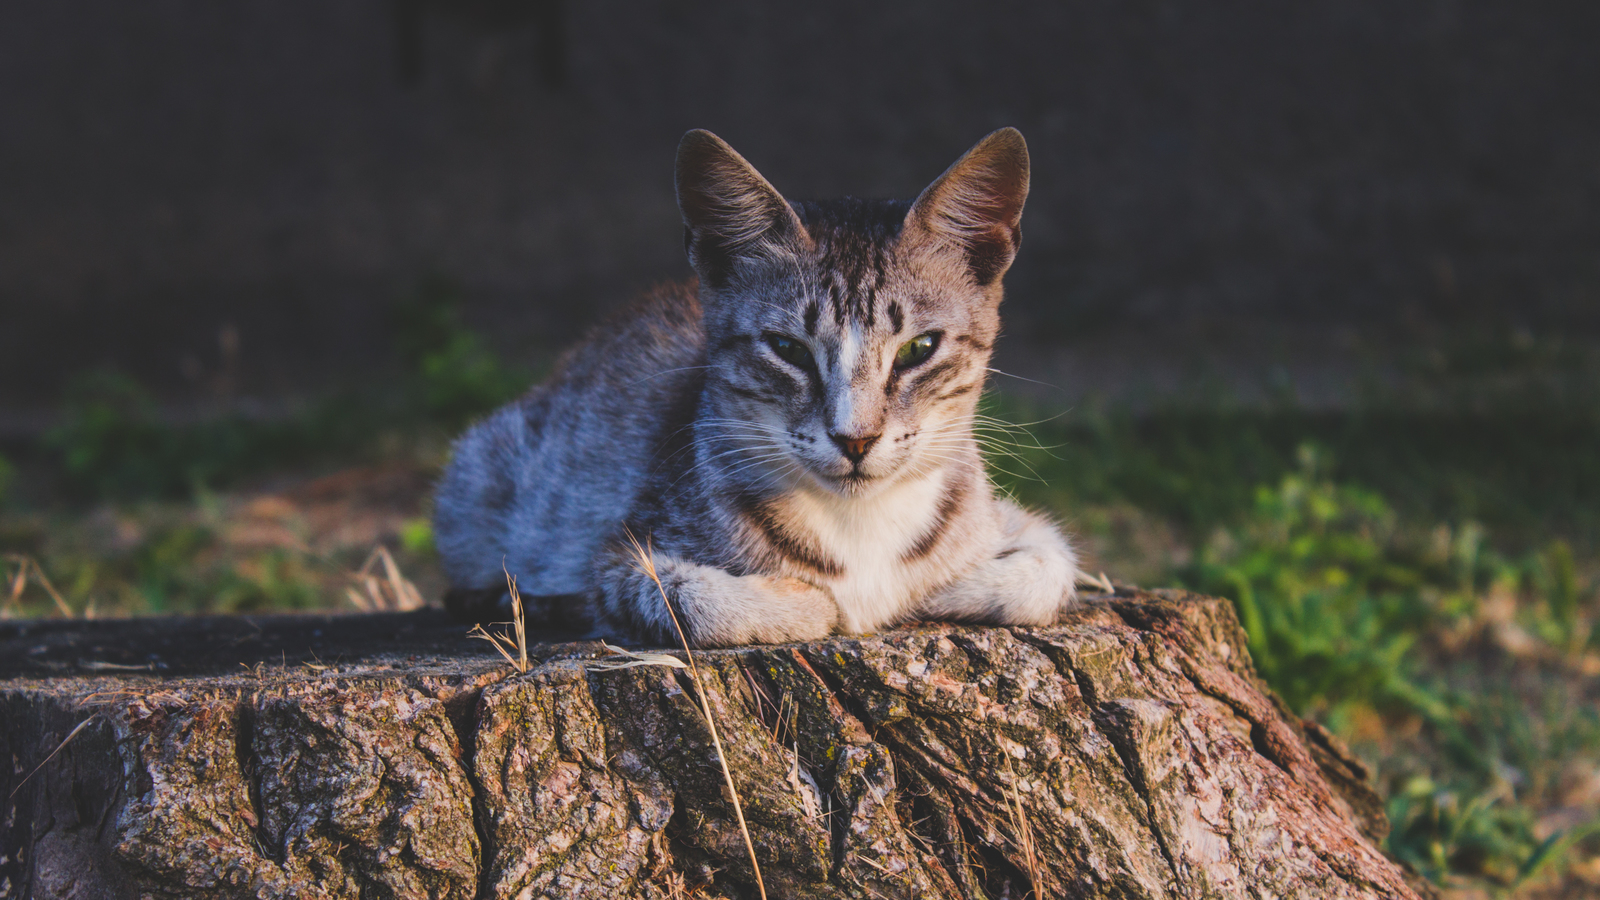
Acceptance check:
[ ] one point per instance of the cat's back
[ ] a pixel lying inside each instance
(540, 482)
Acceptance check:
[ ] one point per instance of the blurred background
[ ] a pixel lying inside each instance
(1307, 314)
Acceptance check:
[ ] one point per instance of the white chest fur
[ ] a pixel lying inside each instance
(868, 537)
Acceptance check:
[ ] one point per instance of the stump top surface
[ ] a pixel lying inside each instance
(356, 644)
(169, 646)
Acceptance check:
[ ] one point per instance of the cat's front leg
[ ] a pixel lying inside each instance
(1029, 580)
(715, 608)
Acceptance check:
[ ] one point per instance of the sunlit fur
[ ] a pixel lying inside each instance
(782, 499)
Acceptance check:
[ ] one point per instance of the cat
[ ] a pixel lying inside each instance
(788, 440)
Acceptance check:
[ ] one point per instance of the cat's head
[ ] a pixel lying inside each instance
(849, 339)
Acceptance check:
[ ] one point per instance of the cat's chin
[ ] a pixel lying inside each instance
(852, 484)
(847, 484)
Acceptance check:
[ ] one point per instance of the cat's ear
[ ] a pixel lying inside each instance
(975, 207)
(729, 211)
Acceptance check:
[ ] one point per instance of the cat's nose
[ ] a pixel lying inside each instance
(854, 448)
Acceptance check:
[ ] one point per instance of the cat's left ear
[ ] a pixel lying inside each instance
(729, 211)
(975, 207)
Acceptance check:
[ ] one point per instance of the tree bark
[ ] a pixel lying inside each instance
(1129, 751)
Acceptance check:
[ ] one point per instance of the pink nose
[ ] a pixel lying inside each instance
(854, 448)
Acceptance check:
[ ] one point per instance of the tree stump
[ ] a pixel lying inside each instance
(1129, 751)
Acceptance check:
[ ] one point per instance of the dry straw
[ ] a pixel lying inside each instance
(19, 583)
(647, 565)
(518, 641)
(64, 741)
(394, 592)
(1102, 582)
(1023, 826)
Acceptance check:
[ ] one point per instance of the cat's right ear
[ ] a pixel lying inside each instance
(975, 207)
(729, 211)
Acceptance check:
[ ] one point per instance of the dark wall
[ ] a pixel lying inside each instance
(292, 167)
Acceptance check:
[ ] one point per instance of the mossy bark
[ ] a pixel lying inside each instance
(1128, 752)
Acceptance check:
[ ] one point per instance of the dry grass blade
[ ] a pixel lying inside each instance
(160, 698)
(406, 595)
(94, 665)
(518, 641)
(392, 593)
(640, 658)
(70, 735)
(1023, 826)
(19, 583)
(804, 786)
(647, 565)
(499, 642)
(1101, 582)
(358, 601)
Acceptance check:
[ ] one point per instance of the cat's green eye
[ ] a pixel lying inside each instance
(916, 350)
(791, 351)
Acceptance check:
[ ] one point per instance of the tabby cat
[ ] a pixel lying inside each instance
(790, 440)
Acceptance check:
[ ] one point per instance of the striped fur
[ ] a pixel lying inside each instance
(791, 436)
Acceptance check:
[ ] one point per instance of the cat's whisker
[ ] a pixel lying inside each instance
(736, 430)
(655, 375)
(1010, 473)
(1010, 438)
(745, 462)
(742, 453)
(747, 439)
(990, 454)
(737, 475)
(688, 446)
(700, 444)
(733, 474)
(989, 448)
(733, 427)
(1006, 428)
(1045, 421)
(769, 452)
(719, 437)
(1053, 387)
(1015, 451)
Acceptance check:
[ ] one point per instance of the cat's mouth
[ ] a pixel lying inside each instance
(848, 483)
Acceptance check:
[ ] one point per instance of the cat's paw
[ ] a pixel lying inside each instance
(1032, 585)
(803, 612)
(1030, 580)
(721, 609)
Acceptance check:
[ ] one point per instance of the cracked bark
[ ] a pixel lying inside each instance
(1132, 743)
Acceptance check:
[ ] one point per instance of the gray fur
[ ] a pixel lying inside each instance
(782, 493)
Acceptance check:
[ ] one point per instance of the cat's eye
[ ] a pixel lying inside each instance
(916, 350)
(791, 351)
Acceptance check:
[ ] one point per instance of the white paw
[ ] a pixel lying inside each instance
(729, 610)
(1034, 586)
(798, 612)
(1029, 581)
